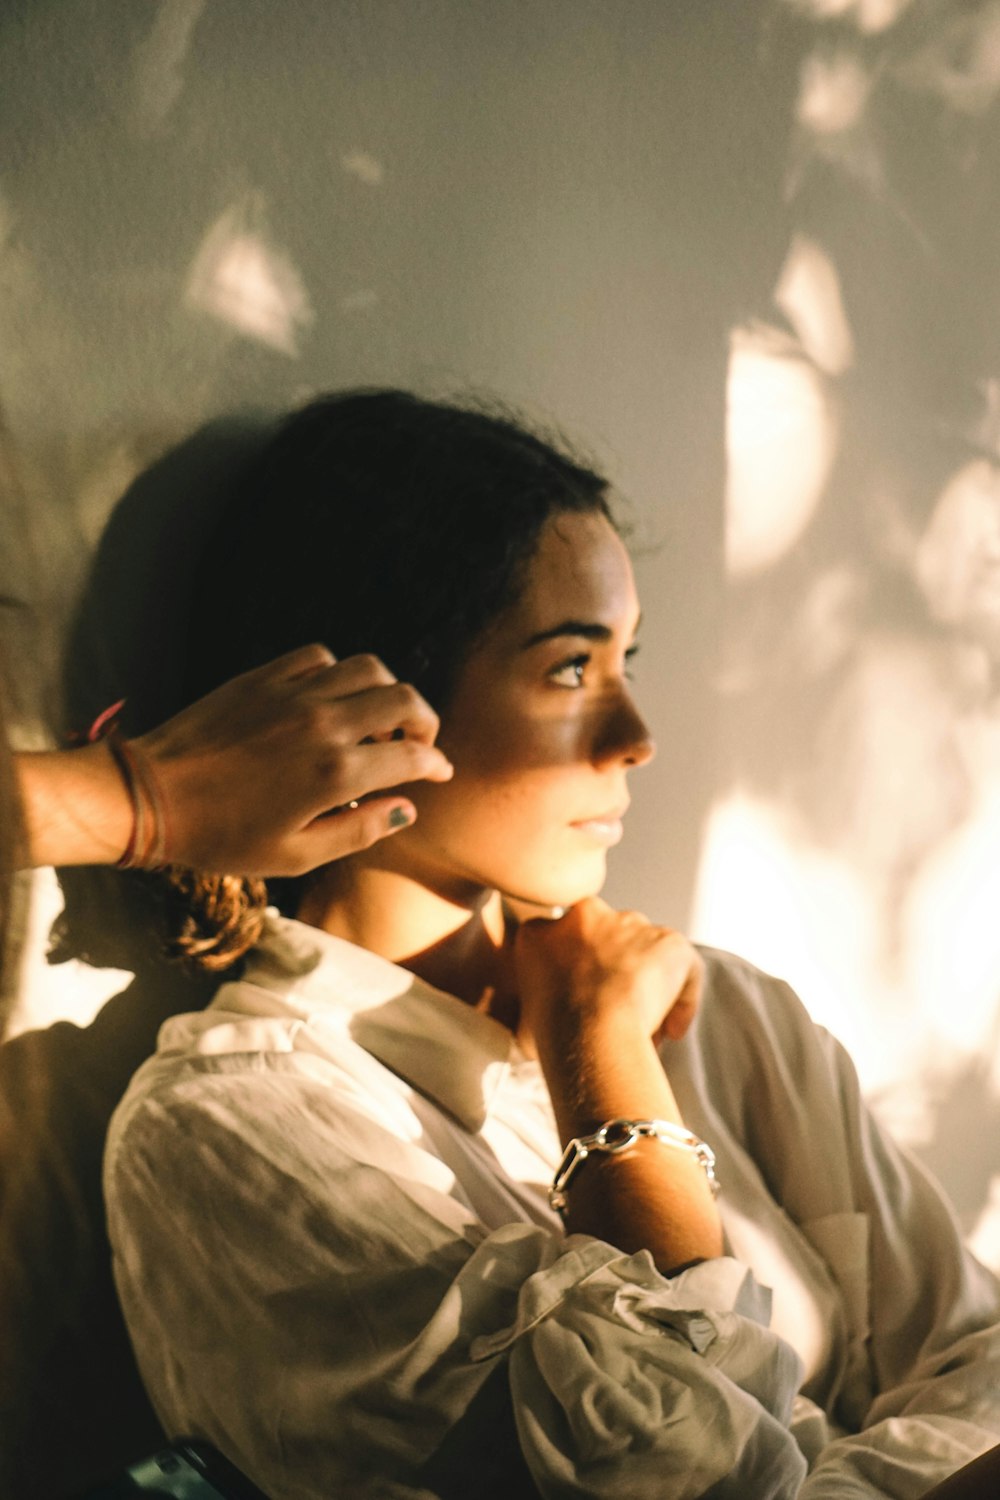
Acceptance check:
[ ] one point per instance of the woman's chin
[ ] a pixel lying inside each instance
(556, 896)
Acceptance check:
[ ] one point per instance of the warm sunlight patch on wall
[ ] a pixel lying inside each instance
(780, 444)
(984, 1240)
(833, 94)
(159, 61)
(870, 16)
(958, 557)
(808, 293)
(363, 166)
(766, 895)
(951, 932)
(781, 432)
(70, 991)
(241, 278)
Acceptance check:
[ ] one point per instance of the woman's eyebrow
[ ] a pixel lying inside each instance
(588, 629)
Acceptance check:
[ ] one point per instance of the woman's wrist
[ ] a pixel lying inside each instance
(76, 809)
(599, 1064)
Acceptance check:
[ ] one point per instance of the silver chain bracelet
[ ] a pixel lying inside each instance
(618, 1135)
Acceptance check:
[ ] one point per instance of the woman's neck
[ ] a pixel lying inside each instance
(455, 942)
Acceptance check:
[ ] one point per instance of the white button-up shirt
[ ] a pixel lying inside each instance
(327, 1201)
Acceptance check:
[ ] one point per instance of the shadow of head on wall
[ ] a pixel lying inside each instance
(128, 637)
(129, 640)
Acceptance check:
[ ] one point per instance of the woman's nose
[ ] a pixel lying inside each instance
(625, 737)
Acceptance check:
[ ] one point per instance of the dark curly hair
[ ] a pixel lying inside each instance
(373, 521)
(377, 521)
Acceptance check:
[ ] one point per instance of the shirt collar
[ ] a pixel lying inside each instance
(450, 1052)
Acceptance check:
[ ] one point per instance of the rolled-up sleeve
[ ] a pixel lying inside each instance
(304, 1290)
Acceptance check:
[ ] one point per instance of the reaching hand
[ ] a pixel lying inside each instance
(288, 767)
(274, 773)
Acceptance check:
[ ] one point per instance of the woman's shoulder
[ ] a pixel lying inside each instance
(758, 1022)
(736, 990)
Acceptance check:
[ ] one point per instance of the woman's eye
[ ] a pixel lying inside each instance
(569, 673)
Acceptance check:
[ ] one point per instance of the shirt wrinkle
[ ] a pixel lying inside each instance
(447, 1050)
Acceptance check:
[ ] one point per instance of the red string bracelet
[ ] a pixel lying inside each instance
(146, 849)
(150, 853)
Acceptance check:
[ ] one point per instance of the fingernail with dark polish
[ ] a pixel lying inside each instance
(399, 817)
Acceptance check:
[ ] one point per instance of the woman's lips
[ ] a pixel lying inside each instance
(605, 829)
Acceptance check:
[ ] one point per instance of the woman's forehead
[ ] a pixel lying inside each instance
(581, 570)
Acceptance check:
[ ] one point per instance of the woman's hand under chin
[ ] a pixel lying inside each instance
(595, 961)
(598, 989)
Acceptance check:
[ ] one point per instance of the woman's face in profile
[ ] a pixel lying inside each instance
(542, 731)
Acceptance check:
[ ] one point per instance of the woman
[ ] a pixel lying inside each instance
(336, 1197)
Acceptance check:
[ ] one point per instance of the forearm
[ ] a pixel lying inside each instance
(76, 810)
(653, 1196)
